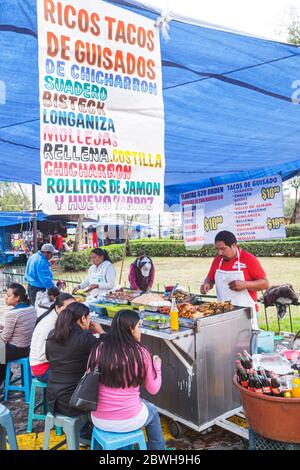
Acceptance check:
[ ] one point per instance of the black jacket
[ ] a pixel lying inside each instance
(68, 363)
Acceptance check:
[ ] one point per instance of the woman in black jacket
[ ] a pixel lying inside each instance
(67, 349)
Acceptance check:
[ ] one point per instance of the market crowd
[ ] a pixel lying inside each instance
(56, 333)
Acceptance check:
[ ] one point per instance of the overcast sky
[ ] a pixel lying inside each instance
(258, 17)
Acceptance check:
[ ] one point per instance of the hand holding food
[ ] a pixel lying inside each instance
(96, 328)
(205, 287)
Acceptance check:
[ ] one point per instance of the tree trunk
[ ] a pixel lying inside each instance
(78, 232)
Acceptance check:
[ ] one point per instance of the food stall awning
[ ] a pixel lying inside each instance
(15, 218)
(228, 98)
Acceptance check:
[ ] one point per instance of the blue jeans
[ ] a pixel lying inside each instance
(153, 428)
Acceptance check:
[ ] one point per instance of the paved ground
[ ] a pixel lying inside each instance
(216, 438)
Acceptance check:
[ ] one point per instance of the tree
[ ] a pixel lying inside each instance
(78, 232)
(294, 27)
(295, 183)
(13, 198)
(289, 207)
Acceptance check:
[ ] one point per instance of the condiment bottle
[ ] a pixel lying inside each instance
(174, 323)
(296, 385)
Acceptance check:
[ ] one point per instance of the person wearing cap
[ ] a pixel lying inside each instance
(141, 274)
(38, 274)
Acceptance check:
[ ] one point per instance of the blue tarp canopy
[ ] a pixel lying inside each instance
(228, 103)
(15, 218)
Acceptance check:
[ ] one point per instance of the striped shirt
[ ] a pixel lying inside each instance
(19, 326)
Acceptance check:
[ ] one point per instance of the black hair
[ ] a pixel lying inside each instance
(101, 252)
(54, 291)
(141, 281)
(121, 363)
(59, 302)
(19, 291)
(66, 319)
(227, 237)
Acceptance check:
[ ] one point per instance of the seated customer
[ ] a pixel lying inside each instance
(141, 274)
(44, 324)
(124, 365)
(44, 299)
(67, 349)
(18, 326)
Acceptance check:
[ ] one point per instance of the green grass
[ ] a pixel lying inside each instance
(189, 273)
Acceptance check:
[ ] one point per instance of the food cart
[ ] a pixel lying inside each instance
(197, 368)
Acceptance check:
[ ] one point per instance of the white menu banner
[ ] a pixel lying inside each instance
(101, 109)
(252, 210)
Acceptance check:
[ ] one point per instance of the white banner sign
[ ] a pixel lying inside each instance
(101, 109)
(252, 210)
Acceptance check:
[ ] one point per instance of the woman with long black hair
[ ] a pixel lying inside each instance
(124, 365)
(44, 324)
(67, 349)
(101, 276)
(18, 326)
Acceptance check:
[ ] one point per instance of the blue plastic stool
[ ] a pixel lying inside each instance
(7, 428)
(114, 440)
(70, 426)
(25, 378)
(32, 406)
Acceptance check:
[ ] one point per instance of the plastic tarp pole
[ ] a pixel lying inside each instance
(34, 220)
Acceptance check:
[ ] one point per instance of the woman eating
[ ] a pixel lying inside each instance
(44, 324)
(67, 350)
(124, 365)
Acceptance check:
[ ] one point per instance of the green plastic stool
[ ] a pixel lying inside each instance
(7, 428)
(32, 415)
(70, 426)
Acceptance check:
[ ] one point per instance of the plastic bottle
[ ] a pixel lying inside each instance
(174, 322)
(296, 385)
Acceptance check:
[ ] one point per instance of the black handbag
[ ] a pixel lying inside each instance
(85, 395)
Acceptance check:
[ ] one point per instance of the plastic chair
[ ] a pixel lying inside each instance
(70, 426)
(25, 378)
(32, 406)
(7, 428)
(114, 440)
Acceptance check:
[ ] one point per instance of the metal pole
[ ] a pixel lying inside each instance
(159, 227)
(34, 220)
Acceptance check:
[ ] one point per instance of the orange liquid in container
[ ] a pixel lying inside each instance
(174, 322)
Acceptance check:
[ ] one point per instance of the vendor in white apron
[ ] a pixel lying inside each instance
(237, 274)
(101, 276)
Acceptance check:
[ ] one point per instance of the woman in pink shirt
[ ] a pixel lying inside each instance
(124, 365)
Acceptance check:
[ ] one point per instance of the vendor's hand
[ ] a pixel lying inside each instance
(96, 328)
(76, 288)
(91, 287)
(237, 285)
(205, 287)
